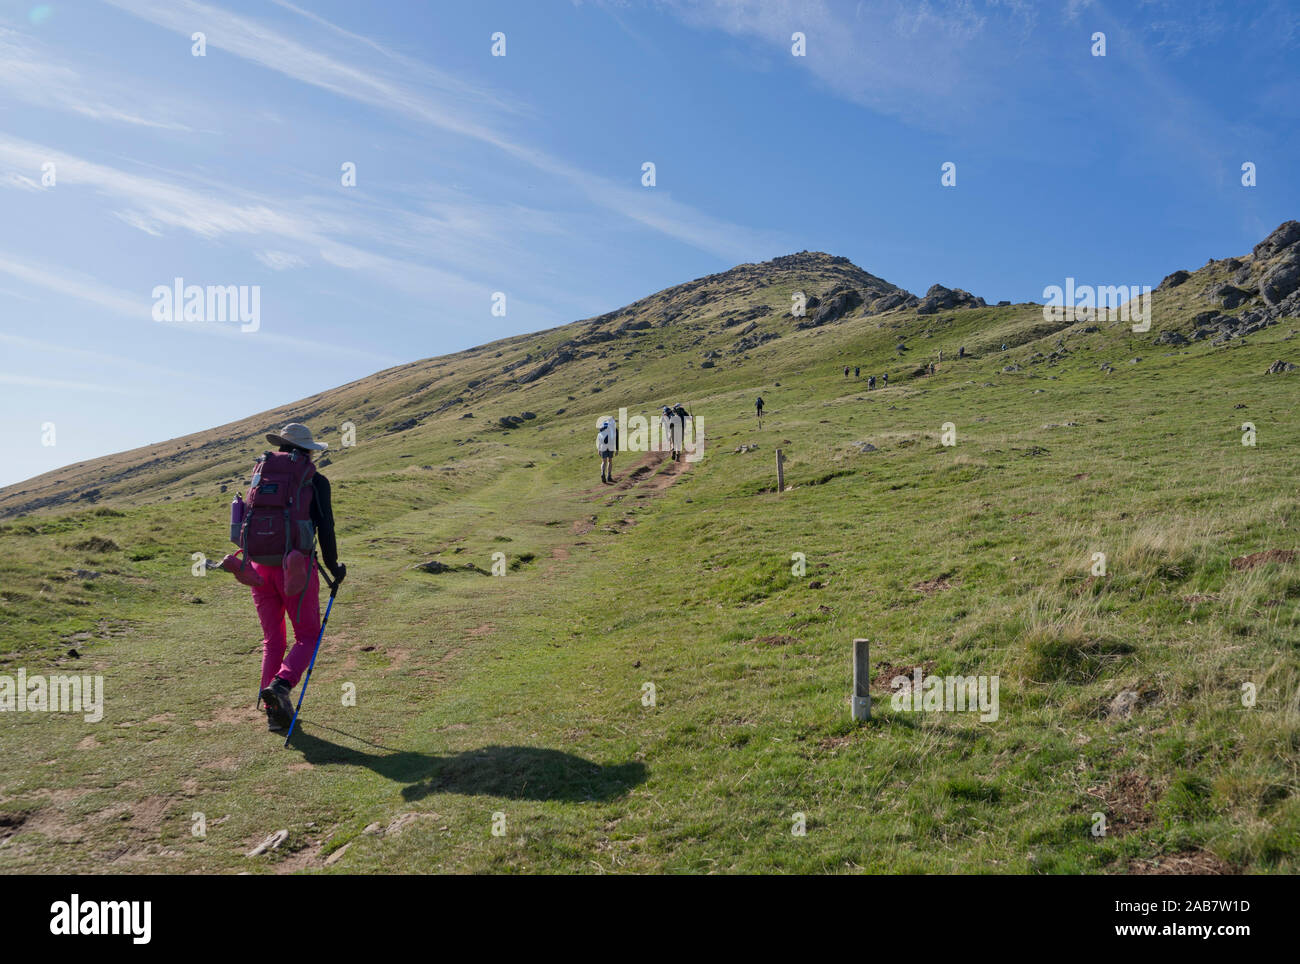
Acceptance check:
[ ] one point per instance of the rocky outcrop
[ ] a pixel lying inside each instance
(1282, 279)
(837, 303)
(1228, 297)
(1284, 236)
(1173, 280)
(1266, 287)
(562, 357)
(939, 298)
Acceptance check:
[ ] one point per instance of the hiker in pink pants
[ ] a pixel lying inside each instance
(287, 512)
(303, 611)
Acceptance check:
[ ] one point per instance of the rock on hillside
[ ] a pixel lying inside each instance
(1264, 285)
(939, 298)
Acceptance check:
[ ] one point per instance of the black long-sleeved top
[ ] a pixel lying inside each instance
(322, 516)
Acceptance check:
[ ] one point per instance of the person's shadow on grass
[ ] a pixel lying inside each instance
(516, 772)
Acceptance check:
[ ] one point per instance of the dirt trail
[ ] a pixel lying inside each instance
(653, 472)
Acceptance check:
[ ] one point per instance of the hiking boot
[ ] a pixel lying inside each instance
(279, 708)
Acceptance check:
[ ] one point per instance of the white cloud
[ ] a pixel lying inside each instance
(32, 381)
(445, 103)
(20, 181)
(137, 220)
(64, 281)
(28, 74)
(280, 260)
(155, 205)
(67, 282)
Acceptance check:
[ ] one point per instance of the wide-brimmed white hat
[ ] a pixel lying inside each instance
(298, 435)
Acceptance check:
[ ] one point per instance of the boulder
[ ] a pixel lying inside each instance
(1282, 279)
(1228, 296)
(1279, 366)
(1173, 280)
(1285, 235)
(939, 298)
(839, 301)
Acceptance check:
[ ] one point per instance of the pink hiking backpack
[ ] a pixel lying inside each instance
(277, 514)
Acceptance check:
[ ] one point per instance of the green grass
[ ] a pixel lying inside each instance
(522, 695)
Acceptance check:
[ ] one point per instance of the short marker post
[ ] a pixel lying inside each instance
(861, 680)
(780, 471)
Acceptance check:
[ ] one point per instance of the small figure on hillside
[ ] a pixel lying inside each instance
(857, 372)
(961, 352)
(758, 408)
(681, 417)
(886, 378)
(871, 382)
(607, 447)
(671, 431)
(846, 371)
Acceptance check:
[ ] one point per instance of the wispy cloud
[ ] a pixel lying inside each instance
(155, 206)
(101, 359)
(923, 62)
(64, 281)
(69, 283)
(449, 105)
(281, 260)
(63, 385)
(28, 73)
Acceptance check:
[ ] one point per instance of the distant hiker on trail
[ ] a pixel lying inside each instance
(672, 430)
(758, 407)
(871, 382)
(961, 352)
(607, 446)
(680, 417)
(857, 371)
(886, 378)
(846, 371)
(288, 509)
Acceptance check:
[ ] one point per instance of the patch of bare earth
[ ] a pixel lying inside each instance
(231, 716)
(1256, 559)
(774, 640)
(886, 673)
(1199, 862)
(931, 586)
(832, 743)
(1126, 801)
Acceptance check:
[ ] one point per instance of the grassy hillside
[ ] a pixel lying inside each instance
(518, 700)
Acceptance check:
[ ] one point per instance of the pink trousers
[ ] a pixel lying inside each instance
(303, 611)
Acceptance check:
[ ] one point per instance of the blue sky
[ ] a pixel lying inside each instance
(522, 174)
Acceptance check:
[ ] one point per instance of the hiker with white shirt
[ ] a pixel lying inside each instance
(671, 427)
(607, 446)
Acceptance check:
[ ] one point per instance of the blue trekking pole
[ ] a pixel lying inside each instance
(334, 590)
